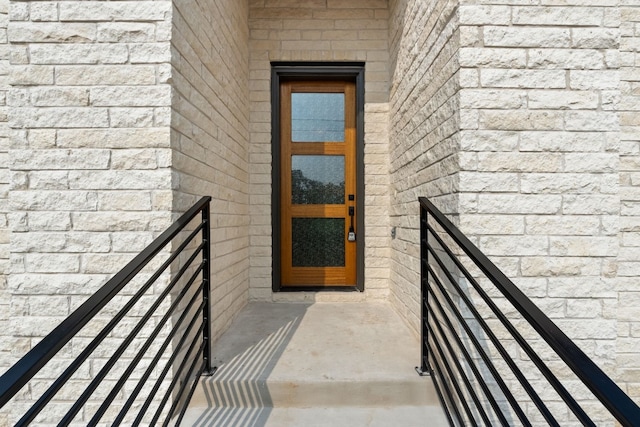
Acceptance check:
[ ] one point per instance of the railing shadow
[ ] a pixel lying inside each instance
(238, 394)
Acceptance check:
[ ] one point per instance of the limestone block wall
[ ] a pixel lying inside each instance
(424, 131)
(5, 340)
(5, 347)
(540, 146)
(519, 119)
(312, 30)
(540, 157)
(210, 136)
(529, 129)
(89, 156)
(628, 343)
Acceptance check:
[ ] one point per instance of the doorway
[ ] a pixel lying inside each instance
(317, 162)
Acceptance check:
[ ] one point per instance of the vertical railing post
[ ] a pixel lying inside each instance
(423, 369)
(206, 288)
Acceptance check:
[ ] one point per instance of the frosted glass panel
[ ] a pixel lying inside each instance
(317, 180)
(317, 117)
(318, 242)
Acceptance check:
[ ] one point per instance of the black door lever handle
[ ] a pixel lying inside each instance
(352, 234)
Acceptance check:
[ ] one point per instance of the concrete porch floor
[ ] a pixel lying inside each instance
(321, 364)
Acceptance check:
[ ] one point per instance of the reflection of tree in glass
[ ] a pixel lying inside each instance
(305, 191)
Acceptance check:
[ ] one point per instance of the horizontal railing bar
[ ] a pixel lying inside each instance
(554, 382)
(55, 387)
(20, 373)
(478, 376)
(514, 368)
(546, 372)
(441, 396)
(472, 366)
(192, 390)
(612, 397)
(178, 398)
(168, 365)
(487, 360)
(160, 352)
(176, 377)
(456, 386)
(447, 390)
(123, 346)
(143, 349)
(496, 342)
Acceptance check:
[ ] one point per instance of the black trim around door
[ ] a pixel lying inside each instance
(316, 70)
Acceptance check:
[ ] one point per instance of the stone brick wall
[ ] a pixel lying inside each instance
(628, 344)
(539, 187)
(424, 131)
(89, 156)
(519, 119)
(210, 136)
(4, 183)
(539, 163)
(120, 116)
(312, 30)
(5, 342)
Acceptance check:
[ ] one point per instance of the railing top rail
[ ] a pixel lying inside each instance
(21, 373)
(610, 395)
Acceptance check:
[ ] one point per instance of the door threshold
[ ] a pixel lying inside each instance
(318, 289)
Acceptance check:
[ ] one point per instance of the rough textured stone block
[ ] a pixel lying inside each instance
(124, 96)
(485, 15)
(79, 54)
(560, 16)
(526, 36)
(533, 79)
(31, 75)
(121, 11)
(115, 32)
(68, 117)
(60, 159)
(85, 75)
(52, 33)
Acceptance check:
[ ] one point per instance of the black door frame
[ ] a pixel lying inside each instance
(316, 70)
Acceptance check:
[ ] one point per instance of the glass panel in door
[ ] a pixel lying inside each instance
(317, 117)
(317, 180)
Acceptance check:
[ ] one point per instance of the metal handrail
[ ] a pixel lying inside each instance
(197, 264)
(437, 280)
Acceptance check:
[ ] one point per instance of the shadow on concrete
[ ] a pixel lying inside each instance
(237, 395)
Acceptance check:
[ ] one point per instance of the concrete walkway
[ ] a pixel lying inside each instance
(322, 364)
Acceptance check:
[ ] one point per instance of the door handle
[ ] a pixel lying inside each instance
(352, 233)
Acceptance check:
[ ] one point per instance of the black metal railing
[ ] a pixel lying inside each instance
(483, 363)
(163, 334)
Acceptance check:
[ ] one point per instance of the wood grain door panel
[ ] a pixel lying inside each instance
(314, 199)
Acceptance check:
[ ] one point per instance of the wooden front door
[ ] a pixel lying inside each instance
(318, 183)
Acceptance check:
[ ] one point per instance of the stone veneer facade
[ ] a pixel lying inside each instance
(521, 118)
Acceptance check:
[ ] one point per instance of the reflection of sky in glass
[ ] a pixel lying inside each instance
(325, 169)
(317, 117)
